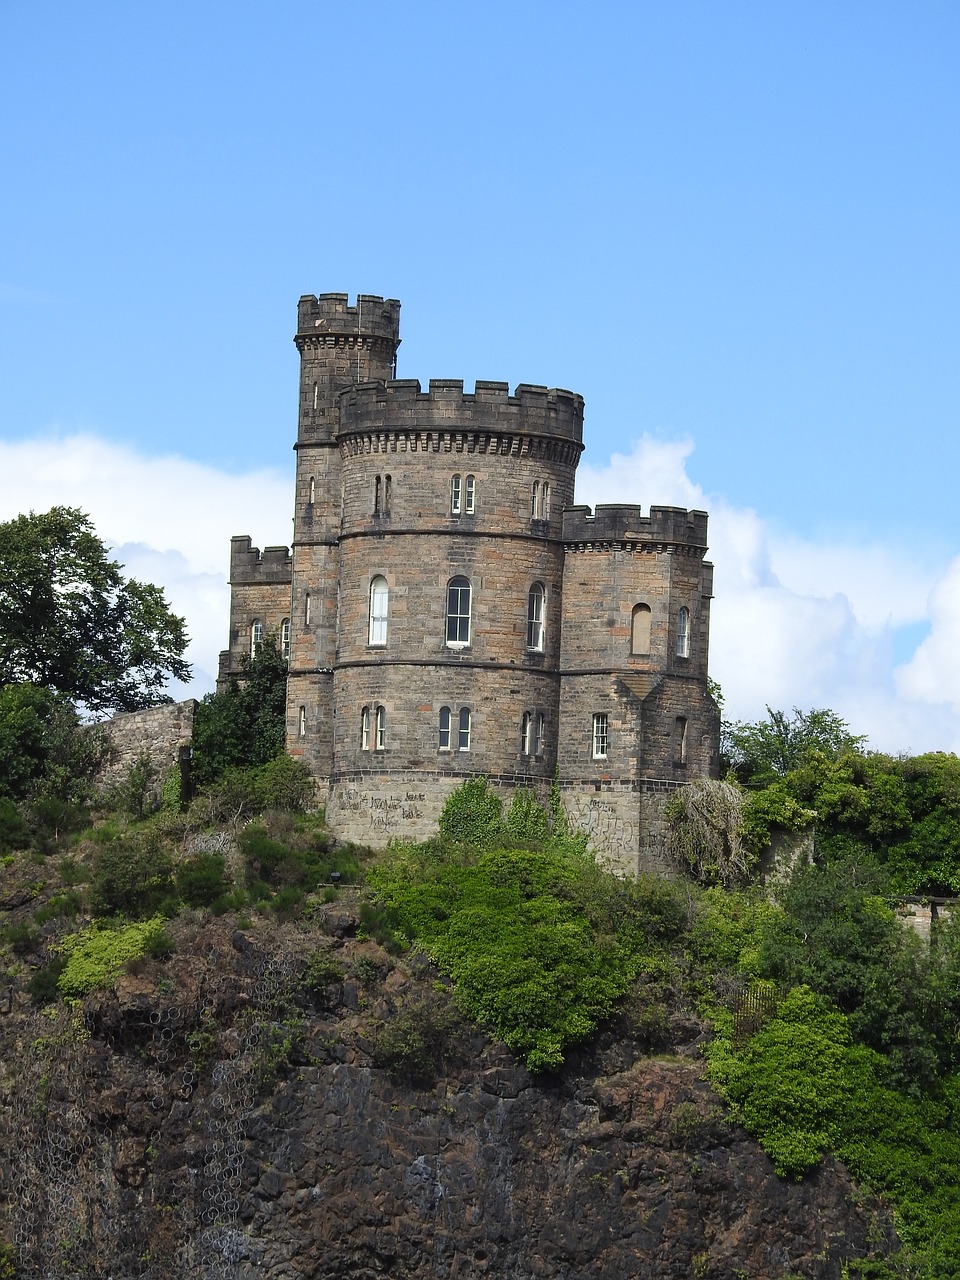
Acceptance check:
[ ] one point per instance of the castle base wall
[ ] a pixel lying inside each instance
(624, 822)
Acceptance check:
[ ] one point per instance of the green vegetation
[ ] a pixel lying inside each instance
(71, 622)
(96, 956)
(244, 725)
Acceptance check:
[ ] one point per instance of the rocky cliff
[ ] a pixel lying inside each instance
(288, 1102)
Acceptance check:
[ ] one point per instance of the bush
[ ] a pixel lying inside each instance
(243, 726)
(97, 956)
(473, 815)
(131, 877)
(414, 1045)
(202, 879)
(283, 783)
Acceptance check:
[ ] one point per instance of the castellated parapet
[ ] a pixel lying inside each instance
(448, 611)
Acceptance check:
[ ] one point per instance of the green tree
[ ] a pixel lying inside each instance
(243, 725)
(763, 751)
(70, 621)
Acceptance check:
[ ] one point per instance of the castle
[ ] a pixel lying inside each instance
(447, 611)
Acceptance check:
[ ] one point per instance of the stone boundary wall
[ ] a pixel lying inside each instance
(157, 732)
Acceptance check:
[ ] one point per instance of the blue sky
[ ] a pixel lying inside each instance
(732, 227)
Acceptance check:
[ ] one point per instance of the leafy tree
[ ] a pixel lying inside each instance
(244, 725)
(761, 752)
(70, 621)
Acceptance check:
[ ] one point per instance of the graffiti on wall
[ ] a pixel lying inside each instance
(382, 812)
(611, 828)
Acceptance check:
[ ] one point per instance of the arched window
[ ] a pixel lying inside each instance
(285, 639)
(256, 637)
(463, 730)
(536, 616)
(365, 729)
(381, 740)
(444, 737)
(526, 734)
(313, 490)
(535, 500)
(306, 610)
(302, 722)
(458, 612)
(316, 395)
(545, 501)
(379, 598)
(683, 633)
(640, 629)
(470, 495)
(538, 735)
(376, 495)
(387, 481)
(456, 495)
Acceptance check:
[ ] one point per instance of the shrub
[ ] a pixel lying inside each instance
(131, 877)
(96, 956)
(473, 815)
(44, 985)
(414, 1045)
(202, 879)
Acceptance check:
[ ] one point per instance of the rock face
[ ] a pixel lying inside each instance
(224, 1115)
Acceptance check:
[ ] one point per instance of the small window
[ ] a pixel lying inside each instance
(458, 612)
(285, 639)
(535, 500)
(306, 609)
(545, 501)
(302, 722)
(456, 495)
(377, 496)
(680, 756)
(387, 482)
(365, 729)
(316, 395)
(470, 495)
(256, 637)
(640, 629)
(526, 734)
(683, 633)
(463, 730)
(600, 740)
(379, 603)
(313, 490)
(381, 729)
(536, 601)
(538, 735)
(444, 736)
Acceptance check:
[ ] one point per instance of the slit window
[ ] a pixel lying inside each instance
(538, 734)
(545, 501)
(463, 730)
(285, 639)
(526, 734)
(443, 743)
(683, 633)
(302, 722)
(377, 495)
(470, 495)
(313, 490)
(256, 637)
(365, 729)
(456, 495)
(681, 740)
(534, 499)
(306, 609)
(381, 729)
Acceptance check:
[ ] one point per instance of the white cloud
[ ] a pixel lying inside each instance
(167, 519)
(795, 622)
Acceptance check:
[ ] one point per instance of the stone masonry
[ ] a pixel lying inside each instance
(448, 611)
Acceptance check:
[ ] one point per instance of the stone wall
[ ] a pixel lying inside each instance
(157, 732)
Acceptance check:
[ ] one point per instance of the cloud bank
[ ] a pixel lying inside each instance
(868, 629)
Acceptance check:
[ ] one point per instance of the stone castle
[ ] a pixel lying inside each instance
(447, 611)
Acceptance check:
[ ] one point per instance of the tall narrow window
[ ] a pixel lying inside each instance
(526, 734)
(545, 501)
(306, 609)
(365, 729)
(285, 639)
(313, 490)
(538, 735)
(470, 495)
(536, 601)
(456, 495)
(463, 730)
(376, 495)
(640, 629)
(680, 743)
(387, 481)
(316, 395)
(444, 736)
(302, 722)
(458, 612)
(535, 500)
(683, 633)
(379, 603)
(600, 739)
(381, 729)
(256, 637)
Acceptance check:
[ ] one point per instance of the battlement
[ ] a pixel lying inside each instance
(623, 522)
(402, 405)
(249, 565)
(331, 313)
